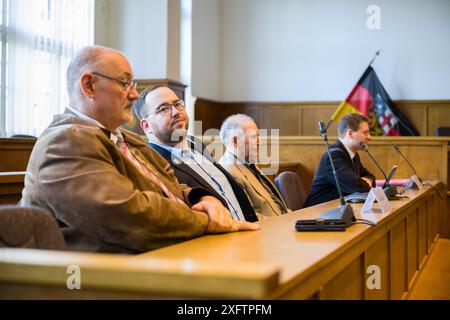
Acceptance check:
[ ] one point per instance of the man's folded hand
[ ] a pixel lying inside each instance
(220, 219)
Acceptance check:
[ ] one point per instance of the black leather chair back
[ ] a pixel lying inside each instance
(292, 190)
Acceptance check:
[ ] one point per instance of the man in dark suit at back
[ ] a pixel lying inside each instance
(165, 121)
(353, 177)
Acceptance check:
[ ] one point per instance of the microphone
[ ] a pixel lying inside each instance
(411, 184)
(323, 130)
(388, 190)
(335, 219)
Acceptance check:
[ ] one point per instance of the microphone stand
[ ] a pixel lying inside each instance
(344, 212)
(411, 184)
(388, 190)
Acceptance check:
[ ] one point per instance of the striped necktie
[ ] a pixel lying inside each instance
(146, 170)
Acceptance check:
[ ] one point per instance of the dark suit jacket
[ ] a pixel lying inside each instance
(349, 173)
(191, 178)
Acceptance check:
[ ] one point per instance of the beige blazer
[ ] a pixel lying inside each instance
(260, 198)
(101, 200)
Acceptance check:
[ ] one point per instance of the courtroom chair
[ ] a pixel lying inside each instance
(292, 190)
(442, 132)
(29, 227)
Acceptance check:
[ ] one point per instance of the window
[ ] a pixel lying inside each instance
(38, 40)
(186, 61)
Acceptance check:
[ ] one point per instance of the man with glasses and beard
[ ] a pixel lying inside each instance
(165, 121)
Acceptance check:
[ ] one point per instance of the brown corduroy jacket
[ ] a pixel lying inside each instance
(100, 199)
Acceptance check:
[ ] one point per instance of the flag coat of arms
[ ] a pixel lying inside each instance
(369, 98)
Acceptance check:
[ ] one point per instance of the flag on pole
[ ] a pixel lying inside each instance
(369, 98)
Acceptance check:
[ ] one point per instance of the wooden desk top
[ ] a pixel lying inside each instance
(295, 254)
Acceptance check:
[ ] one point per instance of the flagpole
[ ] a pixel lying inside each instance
(370, 64)
(374, 57)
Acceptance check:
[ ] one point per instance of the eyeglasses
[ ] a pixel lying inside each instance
(166, 108)
(126, 85)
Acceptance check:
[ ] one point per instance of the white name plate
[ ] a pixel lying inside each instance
(379, 195)
(417, 181)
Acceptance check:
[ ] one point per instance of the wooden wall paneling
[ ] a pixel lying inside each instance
(311, 115)
(176, 86)
(444, 227)
(422, 232)
(286, 119)
(440, 207)
(308, 155)
(378, 255)
(438, 116)
(433, 207)
(425, 115)
(430, 225)
(256, 113)
(437, 209)
(448, 170)
(346, 285)
(399, 270)
(417, 113)
(209, 113)
(412, 244)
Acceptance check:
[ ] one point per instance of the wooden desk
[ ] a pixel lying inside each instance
(275, 262)
(14, 153)
(11, 185)
(331, 265)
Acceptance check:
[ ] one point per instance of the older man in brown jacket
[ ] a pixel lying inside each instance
(108, 191)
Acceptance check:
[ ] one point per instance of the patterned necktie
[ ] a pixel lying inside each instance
(154, 178)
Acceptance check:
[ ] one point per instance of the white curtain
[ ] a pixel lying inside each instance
(43, 36)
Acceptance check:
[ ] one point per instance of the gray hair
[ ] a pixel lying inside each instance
(232, 124)
(88, 58)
